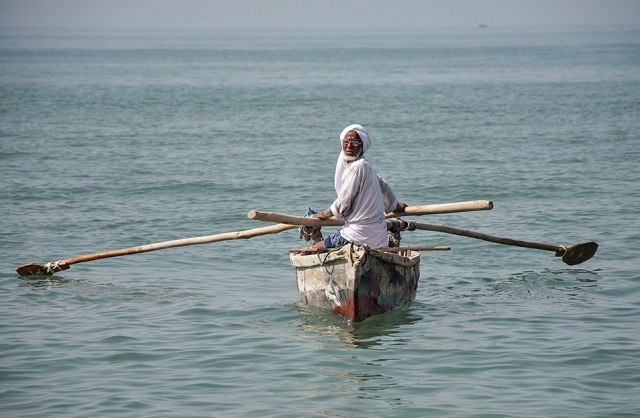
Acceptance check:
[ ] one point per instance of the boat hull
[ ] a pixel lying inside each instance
(357, 282)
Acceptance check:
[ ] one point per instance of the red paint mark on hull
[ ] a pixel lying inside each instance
(347, 309)
(360, 309)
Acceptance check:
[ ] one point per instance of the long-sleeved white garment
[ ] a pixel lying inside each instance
(363, 197)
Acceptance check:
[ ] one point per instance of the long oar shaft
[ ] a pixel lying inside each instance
(410, 210)
(455, 207)
(50, 268)
(226, 236)
(486, 237)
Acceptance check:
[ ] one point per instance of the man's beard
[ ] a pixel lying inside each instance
(349, 159)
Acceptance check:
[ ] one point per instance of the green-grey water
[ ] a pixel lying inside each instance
(111, 139)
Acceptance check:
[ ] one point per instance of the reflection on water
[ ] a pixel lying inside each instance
(98, 291)
(365, 334)
(550, 284)
(362, 385)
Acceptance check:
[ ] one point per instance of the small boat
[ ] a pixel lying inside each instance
(356, 281)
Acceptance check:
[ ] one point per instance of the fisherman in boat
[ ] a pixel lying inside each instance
(363, 196)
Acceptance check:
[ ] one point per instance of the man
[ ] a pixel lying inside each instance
(363, 196)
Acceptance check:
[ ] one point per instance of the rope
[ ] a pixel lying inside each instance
(309, 233)
(52, 267)
(562, 250)
(396, 226)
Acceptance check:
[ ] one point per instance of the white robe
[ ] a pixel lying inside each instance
(363, 197)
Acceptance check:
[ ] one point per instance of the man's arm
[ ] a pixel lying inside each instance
(391, 203)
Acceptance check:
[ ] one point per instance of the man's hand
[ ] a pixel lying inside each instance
(401, 207)
(325, 214)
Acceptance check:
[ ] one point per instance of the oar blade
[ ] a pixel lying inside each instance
(579, 253)
(36, 269)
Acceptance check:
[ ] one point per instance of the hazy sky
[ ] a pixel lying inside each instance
(313, 13)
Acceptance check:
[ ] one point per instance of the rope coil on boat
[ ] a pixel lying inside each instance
(395, 226)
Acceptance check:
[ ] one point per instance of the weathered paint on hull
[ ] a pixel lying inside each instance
(357, 282)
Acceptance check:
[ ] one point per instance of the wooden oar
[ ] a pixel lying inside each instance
(575, 254)
(455, 207)
(409, 211)
(49, 268)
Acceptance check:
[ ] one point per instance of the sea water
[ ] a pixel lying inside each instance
(111, 139)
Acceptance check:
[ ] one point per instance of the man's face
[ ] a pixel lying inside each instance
(351, 144)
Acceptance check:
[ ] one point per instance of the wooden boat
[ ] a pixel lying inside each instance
(356, 281)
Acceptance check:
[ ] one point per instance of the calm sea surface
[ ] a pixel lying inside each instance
(112, 139)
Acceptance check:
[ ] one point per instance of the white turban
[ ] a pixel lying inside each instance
(341, 164)
(364, 135)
